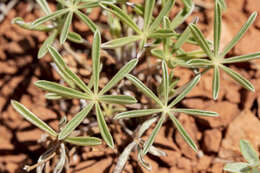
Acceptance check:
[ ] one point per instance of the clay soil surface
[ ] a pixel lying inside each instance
(217, 138)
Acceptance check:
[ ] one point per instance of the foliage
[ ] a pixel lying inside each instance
(250, 155)
(155, 35)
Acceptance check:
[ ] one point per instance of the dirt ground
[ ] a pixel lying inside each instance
(218, 138)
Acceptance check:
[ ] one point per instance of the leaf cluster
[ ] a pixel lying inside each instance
(156, 35)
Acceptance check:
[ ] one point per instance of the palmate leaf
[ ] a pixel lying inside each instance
(65, 28)
(119, 75)
(238, 167)
(137, 113)
(248, 152)
(151, 138)
(61, 90)
(57, 58)
(49, 17)
(239, 35)
(217, 26)
(148, 13)
(28, 115)
(183, 133)
(103, 127)
(44, 48)
(238, 78)
(74, 122)
(117, 99)
(144, 89)
(215, 82)
(186, 90)
(242, 58)
(121, 42)
(44, 5)
(83, 140)
(96, 59)
(196, 112)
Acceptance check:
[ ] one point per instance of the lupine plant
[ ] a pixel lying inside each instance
(250, 155)
(56, 146)
(153, 35)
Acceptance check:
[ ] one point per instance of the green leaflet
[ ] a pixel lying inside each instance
(148, 13)
(164, 12)
(217, 27)
(146, 125)
(66, 71)
(238, 167)
(86, 20)
(201, 40)
(61, 90)
(165, 82)
(53, 96)
(103, 127)
(242, 58)
(183, 133)
(144, 89)
(75, 37)
(44, 5)
(74, 122)
(215, 82)
(122, 16)
(88, 4)
(119, 75)
(182, 39)
(96, 59)
(28, 115)
(186, 90)
(120, 42)
(44, 48)
(163, 33)
(248, 152)
(199, 63)
(20, 22)
(117, 99)
(182, 15)
(242, 31)
(158, 53)
(49, 17)
(65, 28)
(150, 140)
(83, 141)
(196, 112)
(137, 113)
(238, 78)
